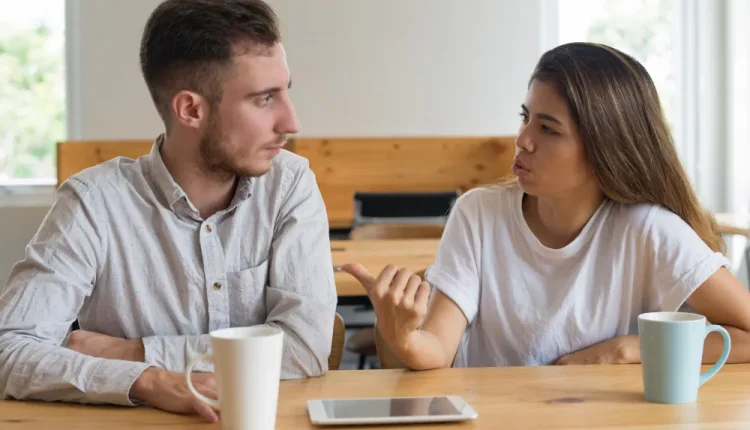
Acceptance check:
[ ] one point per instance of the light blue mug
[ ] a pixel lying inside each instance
(672, 352)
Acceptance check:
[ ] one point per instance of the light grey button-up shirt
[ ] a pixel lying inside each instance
(124, 251)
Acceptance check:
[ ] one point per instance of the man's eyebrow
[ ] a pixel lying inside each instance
(267, 91)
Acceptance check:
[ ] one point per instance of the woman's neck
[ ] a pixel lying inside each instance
(557, 221)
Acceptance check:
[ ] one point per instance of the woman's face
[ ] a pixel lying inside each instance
(550, 158)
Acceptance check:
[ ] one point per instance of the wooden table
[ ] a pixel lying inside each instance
(416, 254)
(733, 223)
(575, 397)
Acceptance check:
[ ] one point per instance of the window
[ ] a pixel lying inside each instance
(32, 89)
(645, 29)
(696, 53)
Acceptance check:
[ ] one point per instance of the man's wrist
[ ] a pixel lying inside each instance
(145, 384)
(137, 351)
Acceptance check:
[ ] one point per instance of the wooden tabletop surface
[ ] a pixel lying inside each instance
(416, 254)
(555, 397)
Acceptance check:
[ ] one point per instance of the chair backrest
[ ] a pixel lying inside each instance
(344, 166)
(337, 343)
(396, 231)
(403, 207)
(74, 156)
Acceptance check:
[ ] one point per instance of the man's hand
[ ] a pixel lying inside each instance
(103, 346)
(618, 350)
(168, 391)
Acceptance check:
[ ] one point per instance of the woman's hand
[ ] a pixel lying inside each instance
(618, 350)
(399, 299)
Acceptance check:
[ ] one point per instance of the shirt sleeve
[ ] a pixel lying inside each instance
(457, 262)
(175, 352)
(44, 294)
(681, 261)
(301, 297)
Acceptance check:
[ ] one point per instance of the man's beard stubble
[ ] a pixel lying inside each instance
(218, 162)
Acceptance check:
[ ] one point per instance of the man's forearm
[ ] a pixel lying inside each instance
(104, 346)
(39, 371)
(303, 357)
(172, 353)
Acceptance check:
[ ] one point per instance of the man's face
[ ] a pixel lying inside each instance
(248, 128)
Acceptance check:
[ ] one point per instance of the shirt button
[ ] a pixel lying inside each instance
(208, 228)
(217, 286)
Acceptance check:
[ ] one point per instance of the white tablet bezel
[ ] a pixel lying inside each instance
(318, 414)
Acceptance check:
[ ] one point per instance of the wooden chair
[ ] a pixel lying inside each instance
(394, 207)
(736, 224)
(733, 223)
(74, 156)
(396, 231)
(337, 343)
(344, 166)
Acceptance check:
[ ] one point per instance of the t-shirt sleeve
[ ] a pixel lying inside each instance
(456, 269)
(681, 261)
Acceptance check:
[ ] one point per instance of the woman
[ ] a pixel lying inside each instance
(600, 225)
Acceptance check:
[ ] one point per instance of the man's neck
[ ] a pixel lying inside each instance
(209, 193)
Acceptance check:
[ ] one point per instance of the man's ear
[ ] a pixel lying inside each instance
(189, 108)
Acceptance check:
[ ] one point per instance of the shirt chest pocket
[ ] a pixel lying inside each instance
(247, 294)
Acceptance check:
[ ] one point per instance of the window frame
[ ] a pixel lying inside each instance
(40, 192)
(702, 41)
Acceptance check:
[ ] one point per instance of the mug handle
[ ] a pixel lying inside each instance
(724, 354)
(210, 402)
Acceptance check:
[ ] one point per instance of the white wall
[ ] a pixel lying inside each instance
(394, 67)
(105, 80)
(738, 126)
(17, 226)
(360, 68)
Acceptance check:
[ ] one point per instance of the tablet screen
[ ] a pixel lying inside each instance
(397, 407)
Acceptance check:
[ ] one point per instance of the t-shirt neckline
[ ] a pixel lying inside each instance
(573, 247)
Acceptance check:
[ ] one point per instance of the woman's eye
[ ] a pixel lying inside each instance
(548, 130)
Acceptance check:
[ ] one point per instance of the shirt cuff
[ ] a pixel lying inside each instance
(685, 286)
(113, 379)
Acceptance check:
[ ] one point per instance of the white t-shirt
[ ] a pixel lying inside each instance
(529, 305)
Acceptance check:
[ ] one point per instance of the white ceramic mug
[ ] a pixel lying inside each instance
(247, 366)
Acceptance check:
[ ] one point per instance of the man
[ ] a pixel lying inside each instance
(216, 227)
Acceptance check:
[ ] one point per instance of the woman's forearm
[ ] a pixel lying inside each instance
(388, 359)
(422, 351)
(739, 353)
(712, 347)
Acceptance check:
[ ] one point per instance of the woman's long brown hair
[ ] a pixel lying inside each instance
(625, 136)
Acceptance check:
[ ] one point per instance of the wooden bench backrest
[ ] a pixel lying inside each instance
(345, 165)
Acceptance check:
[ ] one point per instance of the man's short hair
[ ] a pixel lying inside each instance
(188, 44)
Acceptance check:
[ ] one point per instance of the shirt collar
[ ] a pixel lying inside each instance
(164, 183)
